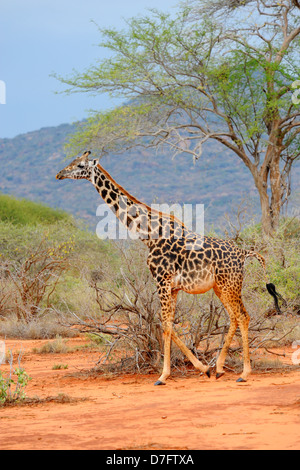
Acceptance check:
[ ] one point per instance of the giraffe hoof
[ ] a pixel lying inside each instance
(219, 374)
(240, 380)
(208, 373)
(159, 382)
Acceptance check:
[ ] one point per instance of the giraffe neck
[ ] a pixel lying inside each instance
(135, 215)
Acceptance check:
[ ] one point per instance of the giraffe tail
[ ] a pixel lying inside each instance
(270, 287)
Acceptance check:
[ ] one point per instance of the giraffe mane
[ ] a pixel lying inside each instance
(134, 199)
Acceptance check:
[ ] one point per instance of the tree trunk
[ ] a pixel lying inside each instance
(270, 202)
(266, 215)
(269, 177)
(276, 189)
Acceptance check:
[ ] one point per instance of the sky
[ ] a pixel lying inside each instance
(42, 37)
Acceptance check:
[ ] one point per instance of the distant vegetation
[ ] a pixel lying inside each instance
(24, 212)
(44, 257)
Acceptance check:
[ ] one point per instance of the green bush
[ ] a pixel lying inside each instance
(12, 390)
(282, 257)
(24, 212)
(42, 264)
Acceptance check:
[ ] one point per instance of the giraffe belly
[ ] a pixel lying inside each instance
(200, 287)
(192, 285)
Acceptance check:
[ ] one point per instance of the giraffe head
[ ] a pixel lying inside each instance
(80, 168)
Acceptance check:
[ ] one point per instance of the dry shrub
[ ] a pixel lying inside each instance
(29, 280)
(128, 324)
(58, 346)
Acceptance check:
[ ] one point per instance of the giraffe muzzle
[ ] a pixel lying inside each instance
(61, 175)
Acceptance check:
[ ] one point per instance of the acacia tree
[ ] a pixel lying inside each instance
(218, 69)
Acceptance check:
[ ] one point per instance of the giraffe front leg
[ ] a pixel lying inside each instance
(167, 356)
(196, 363)
(168, 302)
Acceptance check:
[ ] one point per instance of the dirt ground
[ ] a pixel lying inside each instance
(129, 413)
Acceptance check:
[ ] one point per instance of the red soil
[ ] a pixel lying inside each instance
(128, 412)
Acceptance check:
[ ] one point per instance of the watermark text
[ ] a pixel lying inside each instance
(131, 220)
(2, 352)
(296, 94)
(296, 354)
(2, 92)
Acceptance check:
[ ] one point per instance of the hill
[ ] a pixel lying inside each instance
(23, 212)
(219, 180)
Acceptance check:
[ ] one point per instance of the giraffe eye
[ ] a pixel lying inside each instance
(81, 165)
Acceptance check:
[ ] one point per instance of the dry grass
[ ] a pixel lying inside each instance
(60, 398)
(43, 327)
(57, 346)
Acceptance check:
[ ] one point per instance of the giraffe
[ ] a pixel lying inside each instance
(179, 259)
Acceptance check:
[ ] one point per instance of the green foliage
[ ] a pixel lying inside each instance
(283, 263)
(157, 66)
(60, 234)
(190, 77)
(187, 66)
(24, 212)
(13, 389)
(41, 269)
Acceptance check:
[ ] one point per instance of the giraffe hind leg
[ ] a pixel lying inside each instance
(221, 359)
(243, 323)
(238, 318)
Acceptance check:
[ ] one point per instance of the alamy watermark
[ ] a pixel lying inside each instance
(296, 354)
(132, 220)
(2, 352)
(296, 94)
(2, 92)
